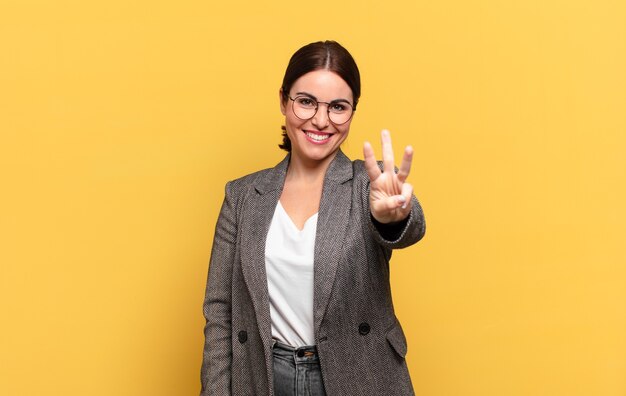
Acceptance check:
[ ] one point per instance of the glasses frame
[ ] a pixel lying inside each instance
(317, 107)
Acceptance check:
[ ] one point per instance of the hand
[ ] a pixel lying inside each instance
(390, 195)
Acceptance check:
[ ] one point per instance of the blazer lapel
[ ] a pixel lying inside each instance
(332, 223)
(257, 216)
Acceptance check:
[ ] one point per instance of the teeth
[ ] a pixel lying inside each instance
(319, 138)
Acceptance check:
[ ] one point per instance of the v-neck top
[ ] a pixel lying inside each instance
(289, 256)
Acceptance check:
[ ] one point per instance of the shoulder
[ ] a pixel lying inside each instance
(263, 180)
(249, 179)
(241, 185)
(343, 169)
(360, 173)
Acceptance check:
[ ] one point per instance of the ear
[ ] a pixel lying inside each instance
(283, 105)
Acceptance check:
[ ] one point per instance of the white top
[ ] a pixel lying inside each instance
(289, 266)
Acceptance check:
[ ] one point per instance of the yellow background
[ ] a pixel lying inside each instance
(122, 120)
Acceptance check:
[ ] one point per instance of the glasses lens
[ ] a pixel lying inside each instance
(339, 112)
(304, 107)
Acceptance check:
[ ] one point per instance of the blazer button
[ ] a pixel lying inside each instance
(364, 329)
(242, 336)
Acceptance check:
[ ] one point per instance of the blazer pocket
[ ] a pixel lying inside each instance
(396, 338)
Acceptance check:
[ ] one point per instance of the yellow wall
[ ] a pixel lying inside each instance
(121, 121)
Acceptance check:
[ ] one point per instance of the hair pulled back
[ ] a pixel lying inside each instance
(320, 55)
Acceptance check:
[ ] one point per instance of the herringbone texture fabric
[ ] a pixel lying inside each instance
(360, 342)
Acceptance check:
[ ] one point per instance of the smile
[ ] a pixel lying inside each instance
(317, 137)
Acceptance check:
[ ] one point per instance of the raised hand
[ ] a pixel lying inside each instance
(390, 194)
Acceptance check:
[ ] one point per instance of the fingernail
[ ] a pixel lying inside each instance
(402, 200)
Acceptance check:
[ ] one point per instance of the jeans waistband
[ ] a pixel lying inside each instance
(303, 353)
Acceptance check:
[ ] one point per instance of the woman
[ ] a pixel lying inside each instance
(298, 299)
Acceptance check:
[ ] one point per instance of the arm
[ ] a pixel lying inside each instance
(403, 233)
(217, 358)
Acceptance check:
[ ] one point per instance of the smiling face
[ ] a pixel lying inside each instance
(318, 139)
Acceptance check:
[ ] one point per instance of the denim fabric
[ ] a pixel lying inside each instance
(297, 371)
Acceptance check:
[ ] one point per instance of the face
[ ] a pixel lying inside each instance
(317, 139)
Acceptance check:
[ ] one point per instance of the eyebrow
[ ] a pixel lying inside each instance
(313, 97)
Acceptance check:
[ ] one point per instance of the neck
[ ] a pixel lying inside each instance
(308, 171)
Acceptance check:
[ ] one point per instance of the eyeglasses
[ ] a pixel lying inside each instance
(305, 108)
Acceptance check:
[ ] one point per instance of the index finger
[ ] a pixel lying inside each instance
(388, 165)
(373, 171)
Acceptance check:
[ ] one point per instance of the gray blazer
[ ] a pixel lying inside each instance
(360, 343)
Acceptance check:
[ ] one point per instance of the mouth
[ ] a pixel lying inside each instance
(317, 137)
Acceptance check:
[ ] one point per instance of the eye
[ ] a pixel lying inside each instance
(338, 107)
(306, 102)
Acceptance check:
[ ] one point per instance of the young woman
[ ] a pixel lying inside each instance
(298, 300)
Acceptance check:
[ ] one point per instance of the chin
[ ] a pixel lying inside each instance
(320, 154)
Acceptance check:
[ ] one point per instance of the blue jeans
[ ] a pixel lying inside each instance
(297, 371)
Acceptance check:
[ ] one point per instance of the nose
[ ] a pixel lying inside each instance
(320, 119)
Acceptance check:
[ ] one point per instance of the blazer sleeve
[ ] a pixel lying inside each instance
(402, 234)
(399, 235)
(217, 357)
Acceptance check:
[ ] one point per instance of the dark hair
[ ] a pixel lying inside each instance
(326, 55)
